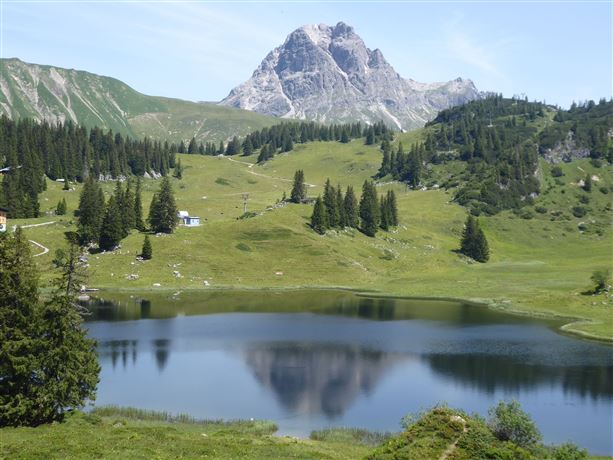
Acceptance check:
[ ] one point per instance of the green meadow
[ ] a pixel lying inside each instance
(541, 258)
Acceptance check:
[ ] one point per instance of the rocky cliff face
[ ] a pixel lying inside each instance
(328, 74)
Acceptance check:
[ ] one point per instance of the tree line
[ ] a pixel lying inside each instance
(32, 150)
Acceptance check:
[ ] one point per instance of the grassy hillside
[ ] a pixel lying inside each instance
(56, 94)
(541, 261)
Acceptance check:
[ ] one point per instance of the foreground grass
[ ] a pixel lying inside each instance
(134, 434)
(539, 266)
(119, 433)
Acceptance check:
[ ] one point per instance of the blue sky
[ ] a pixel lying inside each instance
(552, 51)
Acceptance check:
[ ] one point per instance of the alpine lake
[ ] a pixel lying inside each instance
(309, 359)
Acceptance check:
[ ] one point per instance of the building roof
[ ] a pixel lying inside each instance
(183, 214)
(4, 209)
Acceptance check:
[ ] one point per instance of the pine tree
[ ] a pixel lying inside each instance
(60, 209)
(147, 251)
(192, 147)
(163, 209)
(369, 209)
(342, 217)
(247, 147)
(178, 173)
(138, 207)
(344, 136)
(385, 214)
(90, 211)
(473, 243)
(393, 208)
(332, 211)
(66, 186)
(587, 183)
(319, 220)
(298, 193)
(47, 363)
(112, 230)
(350, 206)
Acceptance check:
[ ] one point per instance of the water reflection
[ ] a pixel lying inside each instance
(318, 378)
(307, 360)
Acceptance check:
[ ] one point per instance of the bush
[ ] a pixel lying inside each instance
(584, 199)
(596, 163)
(508, 422)
(541, 209)
(604, 190)
(579, 211)
(600, 279)
(568, 451)
(556, 171)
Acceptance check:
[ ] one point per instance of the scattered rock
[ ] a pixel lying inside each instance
(132, 277)
(156, 284)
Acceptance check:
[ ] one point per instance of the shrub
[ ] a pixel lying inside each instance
(568, 451)
(556, 171)
(541, 209)
(600, 279)
(604, 189)
(584, 199)
(579, 211)
(508, 422)
(596, 163)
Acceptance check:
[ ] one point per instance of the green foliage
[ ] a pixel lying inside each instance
(601, 279)
(298, 193)
(509, 422)
(370, 213)
(350, 436)
(163, 209)
(587, 183)
(332, 206)
(568, 451)
(473, 243)
(60, 209)
(350, 207)
(111, 230)
(147, 250)
(556, 171)
(47, 363)
(319, 218)
(91, 211)
(579, 211)
(178, 172)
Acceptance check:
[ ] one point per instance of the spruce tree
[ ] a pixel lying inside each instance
(60, 209)
(163, 209)
(298, 193)
(112, 229)
(128, 205)
(90, 211)
(330, 202)
(192, 147)
(342, 217)
(393, 208)
(587, 183)
(178, 172)
(147, 251)
(473, 243)
(350, 207)
(319, 220)
(138, 207)
(385, 222)
(369, 209)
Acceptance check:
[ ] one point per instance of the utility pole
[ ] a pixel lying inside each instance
(245, 198)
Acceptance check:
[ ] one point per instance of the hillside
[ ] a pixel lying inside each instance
(55, 94)
(541, 261)
(326, 73)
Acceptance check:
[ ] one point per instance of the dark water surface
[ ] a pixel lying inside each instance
(311, 359)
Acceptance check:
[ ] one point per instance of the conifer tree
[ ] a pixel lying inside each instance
(473, 243)
(138, 207)
(60, 209)
(319, 220)
(369, 209)
(247, 147)
(331, 205)
(587, 183)
(298, 193)
(147, 251)
(393, 208)
(385, 213)
(350, 206)
(163, 209)
(128, 205)
(342, 217)
(91, 211)
(178, 173)
(192, 147)
(112, 230)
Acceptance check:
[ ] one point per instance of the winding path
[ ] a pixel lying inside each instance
(251, 165)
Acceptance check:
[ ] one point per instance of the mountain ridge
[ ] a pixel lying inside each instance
(328, 74)
(55, 94)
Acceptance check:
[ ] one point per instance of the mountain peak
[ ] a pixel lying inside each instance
(327, 73)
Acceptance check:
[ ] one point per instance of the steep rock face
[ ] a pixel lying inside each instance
(328, 74)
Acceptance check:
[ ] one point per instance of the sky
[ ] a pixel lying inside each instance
(556, 52)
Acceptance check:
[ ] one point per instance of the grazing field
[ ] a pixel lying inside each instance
(541, 258)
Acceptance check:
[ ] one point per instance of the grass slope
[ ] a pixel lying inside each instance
(538, 266)
(53, 93)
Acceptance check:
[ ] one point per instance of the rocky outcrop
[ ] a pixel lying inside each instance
(328, 74)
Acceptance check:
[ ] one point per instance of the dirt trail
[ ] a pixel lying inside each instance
(454, 444)
(251, 165)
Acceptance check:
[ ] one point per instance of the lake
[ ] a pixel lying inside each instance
(313, 359)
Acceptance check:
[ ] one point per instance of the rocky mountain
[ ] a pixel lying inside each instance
(328, 74)
(56, 94)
